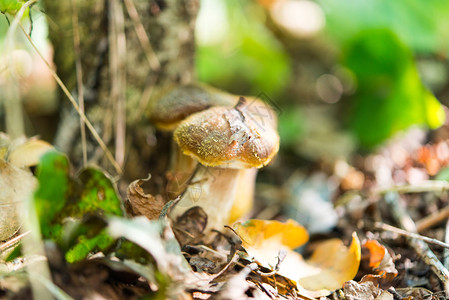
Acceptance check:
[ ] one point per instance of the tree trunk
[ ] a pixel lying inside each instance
(120, 73)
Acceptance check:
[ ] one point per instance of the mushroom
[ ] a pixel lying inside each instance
(175, 103)
(229, 144)
(172, 105)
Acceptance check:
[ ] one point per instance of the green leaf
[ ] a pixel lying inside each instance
(443, 174)
(17, 252)
(85, 245)
(291, 126)
(249, 58)
(389, 96)
(421, 25)
(51, 195)
(70, 210)
(97, 196)
(10, 6)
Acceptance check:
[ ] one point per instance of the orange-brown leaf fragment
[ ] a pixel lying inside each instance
(376, 251)
(381, 263)
(140, 203)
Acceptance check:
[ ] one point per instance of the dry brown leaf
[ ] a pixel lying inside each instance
(190, 226)
(143, 204)
(411, 293)
(16, 185)
(366, 291)
(236, 286)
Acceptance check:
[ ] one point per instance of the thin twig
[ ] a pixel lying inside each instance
(446, 251)
(117, 56)
(145, 97)
(432, 219)
(212, 251)
(275, 282)
(75, 105)
(16, 21)
(13, 241)
(142, 35)
(281, 256)
(79, 76)
(412, 235)
(151, 57)
(425, 186)
(234, 259)
(421, 248)
(15, 125)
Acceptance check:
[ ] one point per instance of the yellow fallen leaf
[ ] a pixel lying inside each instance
(337, 264)
(263, 239)
(331, 264)
(28, 153)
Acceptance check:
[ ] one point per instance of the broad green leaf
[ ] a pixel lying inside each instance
(97, 196)
(247, 58)
(85, 245)
(17, 252)
(422, 25)
(389, 96)
(67, 207)
(10, 6)
(51, 195)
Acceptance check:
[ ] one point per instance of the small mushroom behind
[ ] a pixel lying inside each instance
(229, 143)
(172, 105)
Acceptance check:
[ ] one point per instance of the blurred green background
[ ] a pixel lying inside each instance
(347, 75)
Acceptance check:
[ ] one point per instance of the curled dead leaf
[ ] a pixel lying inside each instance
(380, 259)
(190, 226)
(380, 263)
(143, 204)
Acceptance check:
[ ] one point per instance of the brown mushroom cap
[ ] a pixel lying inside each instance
(244, 136)
(176, 103)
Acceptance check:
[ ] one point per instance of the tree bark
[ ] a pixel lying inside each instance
(117, 89)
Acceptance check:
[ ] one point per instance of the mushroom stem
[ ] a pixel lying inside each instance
(244, 196)
(213, 189)
(181, 168)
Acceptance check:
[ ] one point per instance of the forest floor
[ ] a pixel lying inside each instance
(400, 233)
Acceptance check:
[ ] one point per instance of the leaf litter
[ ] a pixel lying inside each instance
(94, 250)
